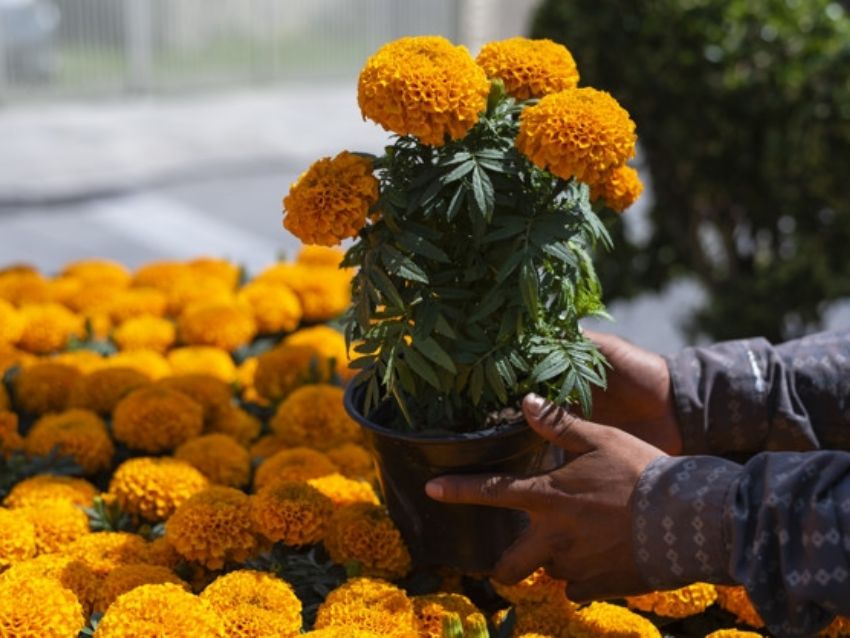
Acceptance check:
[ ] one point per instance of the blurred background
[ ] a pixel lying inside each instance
(152, 129)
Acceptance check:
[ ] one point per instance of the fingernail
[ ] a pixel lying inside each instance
(434, 490)
(535, 403)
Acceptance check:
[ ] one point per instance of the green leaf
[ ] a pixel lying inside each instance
(528, 287)
(420, 366)
(509, 266)
(386, 286)
(455, 202)
(494, 380)
(476, 383)
(489, 304)
(422, 246)
(554, 364)
(401, 265)
(405, 377)
(442, 327)
(458, 172)
(483, 193)
(434, 351)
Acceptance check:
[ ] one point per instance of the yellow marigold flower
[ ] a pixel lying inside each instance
(430, 610)
(235, 422)
(423, 86)
(57, 524)
(49, 487)
(218, 457)
(145, 332)
(275, 307)
(102, 552)
(137, 302)
(245, 382)
(17, 538)
(153, 488)
(222, 325)
(605, 619)
(203, 360)
(255, 605)
(353, 461)
(836, 629)
(126, 578)
(88, 299)
(10, 438)
(101, 390)
(286, 367)
(64, 289)
(45, 387)
(330, 201)
(735, 600)
(293, 513)
(328, 342)
(160, 552)
(579, 133)
(740, 633)
(619, 188)
(676, 603)
(537, 587)
(208, 391)
(104, 272)
(295, 464)
(195, 288)
(149, 362)
(314, 416)
(79, 434)
(11, 356)
(156, 419)
(213, 527)
(324, 293)
(320, 256)
(39, 608)
(225, 271)
(344, 491)
(371, 604)
(12, 323)
(48, 327)
(84, 361)
(547, 618)
(529, 68)
(165, 610)
(24, 286)
(365, 534)
(67, 571)
(342, 631)
(159, 275)
(266, 446)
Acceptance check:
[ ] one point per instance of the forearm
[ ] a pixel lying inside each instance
(779, 525)
(747, 396)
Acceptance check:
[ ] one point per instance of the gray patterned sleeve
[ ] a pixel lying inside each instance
(779, 525)
(747, 396)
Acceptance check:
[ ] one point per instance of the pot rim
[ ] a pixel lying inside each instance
(425, 438)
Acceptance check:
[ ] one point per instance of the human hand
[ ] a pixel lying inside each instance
(638, 399)
(580, 516)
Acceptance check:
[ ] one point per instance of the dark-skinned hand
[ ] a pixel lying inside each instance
(580, 516)
(638, 399)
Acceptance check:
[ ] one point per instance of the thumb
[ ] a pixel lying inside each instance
(560, 427)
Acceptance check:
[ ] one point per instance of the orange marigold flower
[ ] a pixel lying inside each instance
(320, 256)
(365, 534)
(145, 332)
(49, 487)
(324, 293)
(79, 434)
(153, 488)
(342, 631)
(39, 608)
(353, 461)
(57, 524)
(98, 271)
(12, 323)
(735, 600)
(87, 299)
(102, 552)
(223, 270)
(213, 527)
(423, 86)
(24, 286)
(605, 619)
(266, 446)
(126, 578)
(836, 629)
(82, 360)
(676, 603)
(293, 513)
(45, 387)
(150, 363)
(48, 327)
(218, 457)
(549, 619)
(17, 538)
(529, 68)
(537, 587)
(255, 605)
(344, 491)
(5, 402)
(10, 438)
(579, 133)
(371, 604)
(11, 356)
(203, 360)
(156, 419)
(160, 552)
(159, 275)
(165, 610)
(64, 570)
(208, 391)
(235, 422)
(101, 390)
(137, 302)
(222, 325)
(314, 416)
(330, 201)
(328, 342)
(432, 608)
(295, 464)
(275, 307)
(620, 188)
(193, 288)
(286, 367)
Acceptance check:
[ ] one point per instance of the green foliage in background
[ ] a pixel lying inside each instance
(744, 123)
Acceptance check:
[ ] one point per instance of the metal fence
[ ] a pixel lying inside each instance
(60, 48)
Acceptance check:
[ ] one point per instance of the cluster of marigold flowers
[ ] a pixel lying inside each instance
(428, 88)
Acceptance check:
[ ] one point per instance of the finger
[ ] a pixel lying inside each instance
(526, 554)
(560, 427)
(493, 490)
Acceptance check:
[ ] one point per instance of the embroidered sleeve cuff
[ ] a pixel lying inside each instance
(678, 521)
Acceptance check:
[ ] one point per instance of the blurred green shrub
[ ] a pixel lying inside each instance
(743, 113)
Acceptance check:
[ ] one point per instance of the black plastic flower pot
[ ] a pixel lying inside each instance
(468, 537)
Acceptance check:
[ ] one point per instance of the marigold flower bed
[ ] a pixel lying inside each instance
(175, 460)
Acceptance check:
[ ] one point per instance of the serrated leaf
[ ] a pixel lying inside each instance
(476, 383)
(552, 365)
(528, 287)
(483, 193)
(505, 370)
(383, 283)
(434, 351)
(508, 266)
(489, 304)
(422, 246)
(420, 366)
(458, 172)
(401, 265)
(442, 327)
(456, 202)
(494, 380)
(405, 377)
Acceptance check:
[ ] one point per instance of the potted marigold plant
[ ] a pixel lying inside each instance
(473, 235)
